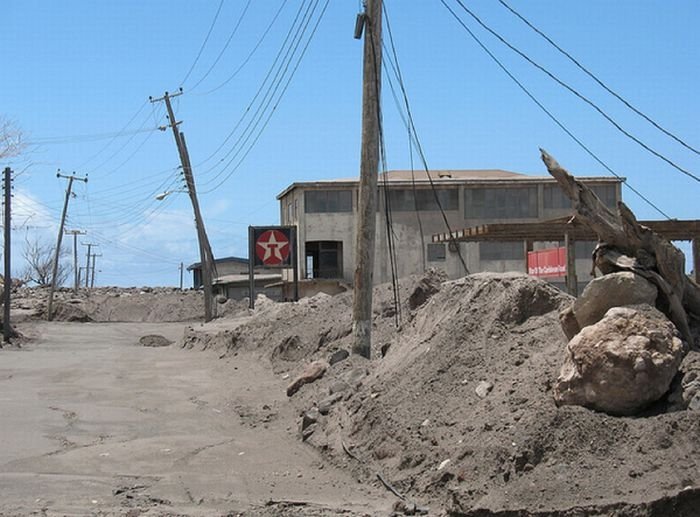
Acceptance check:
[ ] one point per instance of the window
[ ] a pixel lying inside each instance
(325, 201)
(500, 203)
(554, 196)
(436, 252)
(514, 250)
(403, 200)
(606, 193)
(324, 259)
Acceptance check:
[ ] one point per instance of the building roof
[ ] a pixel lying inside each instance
(239, 260)
(244, 279)
(442, 177)
(555, 229)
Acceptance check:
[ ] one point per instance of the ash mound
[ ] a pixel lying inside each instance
(455, 410)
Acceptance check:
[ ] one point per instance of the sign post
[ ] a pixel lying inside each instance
(271, 247)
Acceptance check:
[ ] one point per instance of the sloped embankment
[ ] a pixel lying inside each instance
(459, 413)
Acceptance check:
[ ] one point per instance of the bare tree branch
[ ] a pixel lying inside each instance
(11, 138)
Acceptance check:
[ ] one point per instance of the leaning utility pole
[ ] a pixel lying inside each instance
(75, 234)
(54, 271)
(205, 253)
(6, 328)
(369, 168)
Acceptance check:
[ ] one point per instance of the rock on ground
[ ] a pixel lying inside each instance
(621, 364)
(612, 290)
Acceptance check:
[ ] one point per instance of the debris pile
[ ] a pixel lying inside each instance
(458, 412)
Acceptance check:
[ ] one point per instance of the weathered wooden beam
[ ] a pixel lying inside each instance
(652, 256)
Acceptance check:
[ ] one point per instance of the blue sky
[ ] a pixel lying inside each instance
(77, 76)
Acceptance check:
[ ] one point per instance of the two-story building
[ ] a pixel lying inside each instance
(325, 214)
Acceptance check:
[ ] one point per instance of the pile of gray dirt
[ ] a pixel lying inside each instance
(116, 304)
(457, 413)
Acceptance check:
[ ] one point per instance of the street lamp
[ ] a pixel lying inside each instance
(163, 195)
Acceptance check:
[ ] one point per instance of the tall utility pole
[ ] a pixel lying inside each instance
(369, 168)
(54, 271)
(87, 262)
(181, 274)
(205, 254)
(75, 234)
(92, 280)
(6, 329)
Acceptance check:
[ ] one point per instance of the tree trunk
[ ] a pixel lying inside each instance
(653, 256)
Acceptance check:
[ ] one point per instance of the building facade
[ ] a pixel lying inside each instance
(408, 208)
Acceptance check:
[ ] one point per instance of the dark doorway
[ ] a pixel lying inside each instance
(324, 259)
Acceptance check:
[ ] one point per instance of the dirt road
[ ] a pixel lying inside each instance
(95, 424)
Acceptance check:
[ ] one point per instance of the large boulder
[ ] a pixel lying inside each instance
(612, 290)
(622, 363)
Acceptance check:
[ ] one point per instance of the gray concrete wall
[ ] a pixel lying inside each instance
(411, 251)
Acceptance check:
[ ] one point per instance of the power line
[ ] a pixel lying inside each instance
(104, 148)
(251, 53)
(74, 139)
(201, 49)
(571, 89)
(257, 93)
(599, 81)
(550, 114)
(419, 147)
(233, 33)
(274, 108)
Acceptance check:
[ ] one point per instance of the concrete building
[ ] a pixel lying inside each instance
(232, 279)
(325, 214)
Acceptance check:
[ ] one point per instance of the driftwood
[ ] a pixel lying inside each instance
(626, 244)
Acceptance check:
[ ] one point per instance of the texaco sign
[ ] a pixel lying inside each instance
(273, 246)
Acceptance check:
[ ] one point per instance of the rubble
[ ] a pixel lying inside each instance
(622, 363)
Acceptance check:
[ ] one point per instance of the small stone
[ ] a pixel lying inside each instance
(310, 417)
(154, 340)
(426, 422)
(354, 378)
(311, 373)
(444, 464)
(483, 389)
(337, 356)
(325, 405)
(338, 387)
(308, 432)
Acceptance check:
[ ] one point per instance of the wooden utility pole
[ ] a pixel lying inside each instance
(369, 168)
(87, 262)
(181, 274)
(75, 234)
(54, 270)
(92, 280)
(205, 253)
(6, 329)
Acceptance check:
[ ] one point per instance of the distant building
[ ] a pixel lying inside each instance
(232, 279)
(325, 213)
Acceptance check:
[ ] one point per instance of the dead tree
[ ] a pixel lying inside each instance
(626, 244)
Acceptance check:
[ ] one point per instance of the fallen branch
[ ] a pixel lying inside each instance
(653, 256)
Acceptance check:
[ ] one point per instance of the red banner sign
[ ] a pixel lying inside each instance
(547, 263)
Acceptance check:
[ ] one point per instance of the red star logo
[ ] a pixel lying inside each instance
(272, 248)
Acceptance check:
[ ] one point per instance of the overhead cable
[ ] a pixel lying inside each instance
(585, 99)
(599, 81)
(549, 113)
(228, 41)
(204, 43)
(251, 53)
